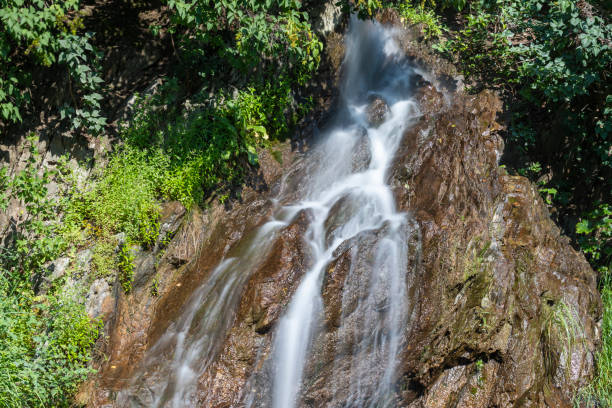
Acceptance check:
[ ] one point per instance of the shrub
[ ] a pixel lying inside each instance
(124, 197)
(432, 27)
(37, 33)
(45, 348)
(264, 39)
(45, 341)
(126, 267)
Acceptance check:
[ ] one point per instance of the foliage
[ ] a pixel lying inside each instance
(123, 198)
(126, 267)
(103, 258)
(37, 33)
(595, 238)
(45, 340)
(432, 26)
(482, 49)
(78, 55)
(599, 392)
(595, 231)
(45, 347)
(266, 39)
(363, 8)
(35, 241)
(206, 149)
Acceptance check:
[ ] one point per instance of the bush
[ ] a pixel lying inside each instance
(45, 348)
(432, 26)
(36, 34)
(265, 40)
(45, 341)
(124, 197)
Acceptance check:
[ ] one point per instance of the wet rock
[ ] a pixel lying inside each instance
(171, 218)
(461, 386)
(487, 269)
(417, 81)
(266, 296)
(342, 211)
(377, 110)
(144, 269)
(356, 299)
(495, 266)
(362, 154)
(429, 98)
(142, 316)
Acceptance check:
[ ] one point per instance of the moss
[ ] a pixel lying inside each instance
(278, 156)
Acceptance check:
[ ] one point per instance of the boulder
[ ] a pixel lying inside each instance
(377, 110)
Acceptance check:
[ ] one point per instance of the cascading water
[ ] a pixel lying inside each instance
(172, 366)
(346, 197)
(375, 327)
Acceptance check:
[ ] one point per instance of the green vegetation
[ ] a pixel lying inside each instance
(45, 346)
(363, 8)
(126, 267)
(191, 152)
(560, 331)
(417, 14)
(599, 392)
(47, 34)
(45, 340)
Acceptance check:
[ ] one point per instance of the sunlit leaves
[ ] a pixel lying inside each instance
(42, 33)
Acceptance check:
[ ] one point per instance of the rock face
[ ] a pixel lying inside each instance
(377, 110)
(497, 277)
(491, 283)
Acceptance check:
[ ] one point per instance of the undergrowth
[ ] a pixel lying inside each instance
(36, 36)
(45, 338)
(599, 392)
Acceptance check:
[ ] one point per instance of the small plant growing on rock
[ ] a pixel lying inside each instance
(561, 332)
(126, 267)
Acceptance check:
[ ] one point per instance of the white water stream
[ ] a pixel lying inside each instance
(338, 186)
(373, 67)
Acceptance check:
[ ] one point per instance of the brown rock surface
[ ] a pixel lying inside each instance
(377, 110)
(496, 271)
(265, 297)
(142, 316)
(490, 276)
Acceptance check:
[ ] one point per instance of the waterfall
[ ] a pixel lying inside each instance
(347, 195)
(375, 67)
